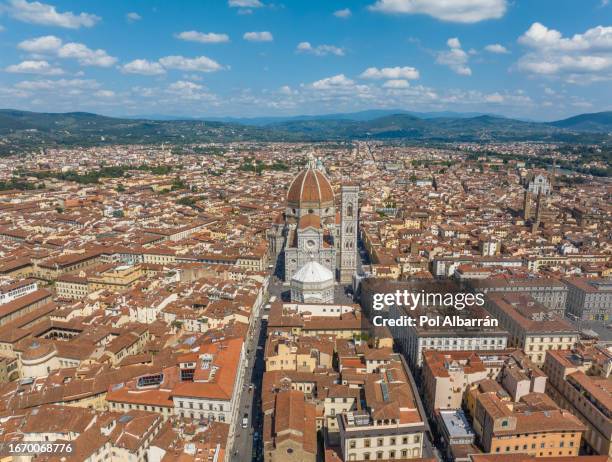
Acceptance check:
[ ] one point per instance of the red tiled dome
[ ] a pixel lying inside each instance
(310, 188)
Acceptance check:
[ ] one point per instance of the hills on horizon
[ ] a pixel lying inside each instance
(366, 115)
(22, 130)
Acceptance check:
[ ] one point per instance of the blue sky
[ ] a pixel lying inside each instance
(538, 59)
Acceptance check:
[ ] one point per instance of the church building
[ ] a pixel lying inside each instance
(318, 241)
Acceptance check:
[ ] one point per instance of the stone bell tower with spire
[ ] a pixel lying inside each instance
(348, 232)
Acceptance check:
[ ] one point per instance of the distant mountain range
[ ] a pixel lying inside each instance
(22, 130)
(360, 115)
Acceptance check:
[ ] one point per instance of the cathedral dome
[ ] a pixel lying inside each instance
(310, 189)
(313, 273)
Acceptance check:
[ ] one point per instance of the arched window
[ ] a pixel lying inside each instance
(349, 210)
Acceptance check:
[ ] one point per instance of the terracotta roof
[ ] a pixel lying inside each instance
(312, 187)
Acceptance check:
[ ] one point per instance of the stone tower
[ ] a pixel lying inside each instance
(527, 205)
(538, 214)
(348, 232)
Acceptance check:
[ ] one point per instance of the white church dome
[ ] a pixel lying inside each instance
(313, 272)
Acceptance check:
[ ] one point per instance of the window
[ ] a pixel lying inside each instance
(380, 442)
(352, 444)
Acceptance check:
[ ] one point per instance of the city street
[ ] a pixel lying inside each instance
(247, 443)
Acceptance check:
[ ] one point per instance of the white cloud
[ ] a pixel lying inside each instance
(494, 98)
(285, 90)
(496, 48)
(336, 81)
(49, 85)
(396, 83)
(47, 43)
(453, 43)
(320, 50)
(2, 28)
(263, 36)
(464, 11)
(41, 13)
(344, 13)
(181, 85)
(475, 98)
(581, 58)
(455, 58)
(86, 56)
(52, 45)
(199, 64)
(133, 17)
(189, 91)
(541, 37)
(34, 67)
(144, 67)
(397, 72)
(244, 4)
(105, 94)
(201, 37)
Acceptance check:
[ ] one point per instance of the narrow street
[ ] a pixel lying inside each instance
(247, 443)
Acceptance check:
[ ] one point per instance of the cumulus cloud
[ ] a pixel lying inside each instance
(581, 58)
(52, 85)
(397, 72)
(337, 81)
(494, 98)
(455, 58)
(263, 36)
(44, 44)
(51, 45)
(396, 83)
(133, 17)
(466, 98)
(496, 48)
(319, 50)
(143, 67)
(463, 11)
(244, 4)
(86, 56)
(189, 91)
(343, 13)
(40, 67)
(146, 67)
(47, 15)
(201, 37)
(105, 94)
(286, 90)
(198, 64)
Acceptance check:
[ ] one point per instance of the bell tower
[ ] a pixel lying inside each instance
(348, 232)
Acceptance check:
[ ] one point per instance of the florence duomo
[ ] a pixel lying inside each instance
(317, 240)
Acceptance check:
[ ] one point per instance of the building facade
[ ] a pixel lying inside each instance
(310, 229)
